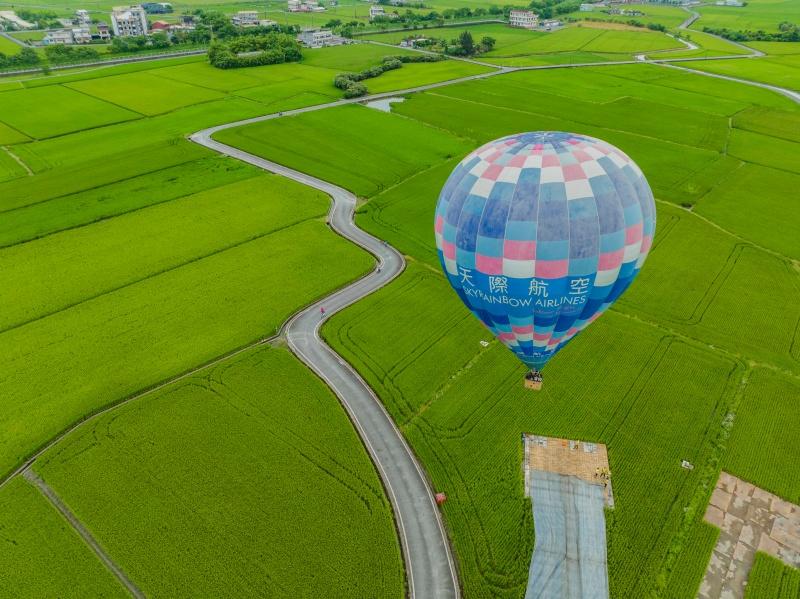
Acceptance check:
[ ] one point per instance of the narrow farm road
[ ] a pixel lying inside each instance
(429, 563)
(56, 502)
(13, 39)
(430, 566)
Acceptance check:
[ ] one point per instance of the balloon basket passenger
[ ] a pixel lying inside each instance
(534, 380)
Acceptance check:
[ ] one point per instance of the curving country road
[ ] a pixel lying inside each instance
(431, 570)
(430, 567)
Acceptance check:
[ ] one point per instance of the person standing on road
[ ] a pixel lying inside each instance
(322, 312)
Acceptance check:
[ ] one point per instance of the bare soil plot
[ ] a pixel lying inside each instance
(750, 520)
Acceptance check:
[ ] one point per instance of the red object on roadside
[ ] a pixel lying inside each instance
(440, 498)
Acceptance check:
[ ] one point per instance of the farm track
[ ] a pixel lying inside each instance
(56, 502)
(431, 569)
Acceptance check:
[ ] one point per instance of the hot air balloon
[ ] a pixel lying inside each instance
(539, 233)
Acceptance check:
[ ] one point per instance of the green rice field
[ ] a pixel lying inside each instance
(271, 468)
(771, 579)
(141, 274)
(41, 555)
(757, 14)
(707, 316)
(783, 71)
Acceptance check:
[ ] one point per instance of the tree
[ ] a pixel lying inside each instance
(487, 43)
(467, 43)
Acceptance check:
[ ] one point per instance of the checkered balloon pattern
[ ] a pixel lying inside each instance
(539, 233)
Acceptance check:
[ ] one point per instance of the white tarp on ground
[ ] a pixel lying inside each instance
(569, 558)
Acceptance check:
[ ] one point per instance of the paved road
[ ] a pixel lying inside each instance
(105, 63)
(11, 38)
(429, 563)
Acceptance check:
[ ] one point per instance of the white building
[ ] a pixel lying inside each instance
(59, 37)
(317, 38)
(729, 3)
(304, 6)
(128, 20)
(548, 24)
(526, 19)
(245, 18)
(587, 7)
(376, 11)
(82, 17)
(82, 35)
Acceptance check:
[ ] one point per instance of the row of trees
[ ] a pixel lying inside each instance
(27, 57)
(787, 32)
(352, 83)
(59, 54)
(254, 50)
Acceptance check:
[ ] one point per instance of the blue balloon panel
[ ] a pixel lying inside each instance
(539, 233)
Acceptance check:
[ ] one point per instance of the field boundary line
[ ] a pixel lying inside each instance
(158, 273)
(83, 420)
(51, 496)
(18, 161)
(100, 186)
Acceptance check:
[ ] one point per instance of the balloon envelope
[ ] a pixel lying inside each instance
(539, 233)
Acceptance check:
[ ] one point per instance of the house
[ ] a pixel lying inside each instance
(128, 21)
(103, 32)
(728, 3)
(317, 38)
(58, 37)
(82, 35)
(527, 19)
(82, 17)
(376, 11)
(549, 24)
(304, 6)
(160, 26)
(587, 7)
(414, 42)
(245, 18)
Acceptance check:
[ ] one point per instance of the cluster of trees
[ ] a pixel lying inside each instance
(547, 9)
(66, 54)
(465, 45)
(137, 43)
(254, 50)
(413, 20)
(352, 83)
(217, 26)
(27, 57)
(787, 32)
